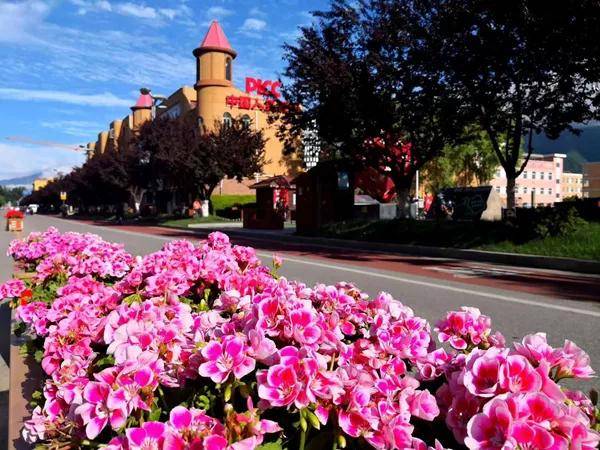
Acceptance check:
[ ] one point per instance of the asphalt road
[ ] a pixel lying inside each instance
(565, 305)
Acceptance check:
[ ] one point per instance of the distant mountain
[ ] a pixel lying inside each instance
(579, 149)
(26, 180)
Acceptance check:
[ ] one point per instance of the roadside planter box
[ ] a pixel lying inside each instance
(14, 220)
(26, 377)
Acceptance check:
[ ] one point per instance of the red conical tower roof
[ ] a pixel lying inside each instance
(215, 40)
(144, 100)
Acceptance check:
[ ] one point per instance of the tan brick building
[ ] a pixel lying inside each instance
(213, 97)
(572, 184)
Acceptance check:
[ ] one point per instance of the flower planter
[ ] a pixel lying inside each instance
(25, 377)
(14, 224)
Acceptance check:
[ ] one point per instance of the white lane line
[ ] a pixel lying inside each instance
(520, 301)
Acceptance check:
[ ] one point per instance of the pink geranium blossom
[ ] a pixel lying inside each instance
(225, 358)
(101, 406)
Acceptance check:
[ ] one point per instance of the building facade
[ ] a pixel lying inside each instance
(540, 183)
(213, 98)
(591, 180)
(40, 183)
(572, 185)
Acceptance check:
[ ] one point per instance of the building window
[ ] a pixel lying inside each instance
(498, 189)
(557, 195)
(246, 121)
(542, 191)
(541, 175)
(227, 119)
(174, 111)
(550, 191)
(557, 164)
(228, 69)
(498, 173)
(549, 175)
(533, 175)
(558, 181)
(525, 174)
(524, 189)
(533, 190)
(200, 122)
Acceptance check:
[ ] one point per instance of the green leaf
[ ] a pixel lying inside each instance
(154, 414)
(38, 356)
(133, 298)
(277, 445)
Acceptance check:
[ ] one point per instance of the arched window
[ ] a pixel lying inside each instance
(228, 69)
(246, 120)
(227, 119)
(201, 123)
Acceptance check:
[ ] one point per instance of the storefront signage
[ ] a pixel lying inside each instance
(243, 102)
(266, 88)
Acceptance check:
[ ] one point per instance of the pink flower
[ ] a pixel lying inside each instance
(423, 405)
(12, 289)
(224, 358)
(519, 376)
(482, 371)
(492, 428)
(150, 436)
(192, 428)
(304, 327)
(101, 407)
(574, 362)
(467, 327)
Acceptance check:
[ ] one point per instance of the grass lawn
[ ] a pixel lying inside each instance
(183, 223)
(582, 243)
(220, 204)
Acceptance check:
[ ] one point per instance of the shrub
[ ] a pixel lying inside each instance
(204, 347)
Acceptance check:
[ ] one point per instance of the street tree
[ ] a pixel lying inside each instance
(364, 74)
(470, 162)
(194, 160)
(523, 67)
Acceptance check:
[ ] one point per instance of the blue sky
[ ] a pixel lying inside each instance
(68, 68)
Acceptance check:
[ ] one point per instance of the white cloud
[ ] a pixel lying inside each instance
(103, 99)
(104, 5)
(253, 25)
(135, 10)
(19, 21)
(256, 11)
(218, 12)
(74, 127)
(18, 160)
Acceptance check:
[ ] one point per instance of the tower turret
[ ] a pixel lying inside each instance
(142, 110)
(214, 72)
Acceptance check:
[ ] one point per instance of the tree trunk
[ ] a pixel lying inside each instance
(403, 202)
(138, 195)
(510, 191)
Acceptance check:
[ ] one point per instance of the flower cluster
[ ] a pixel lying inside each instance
(499, 397)
(204, 347)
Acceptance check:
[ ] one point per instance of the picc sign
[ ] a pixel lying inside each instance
(266, 88)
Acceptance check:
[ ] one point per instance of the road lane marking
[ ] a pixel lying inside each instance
(521, 301)
(490, 295)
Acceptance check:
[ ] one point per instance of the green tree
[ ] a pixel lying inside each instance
(364, 75)
(523, 67)
(470, 162)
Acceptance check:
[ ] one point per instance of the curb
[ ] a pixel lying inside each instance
(512, 259)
